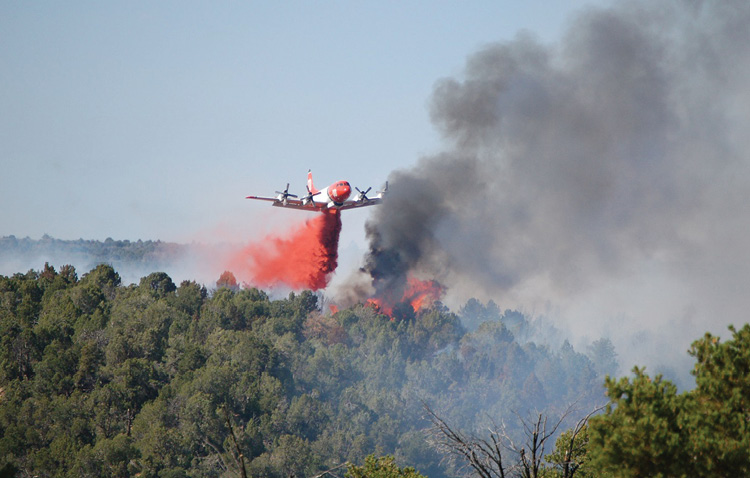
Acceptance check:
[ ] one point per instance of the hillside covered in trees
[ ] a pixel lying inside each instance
(101, 379)
(159, 380)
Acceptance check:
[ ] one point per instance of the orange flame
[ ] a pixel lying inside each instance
(419, 294)
(422, 293)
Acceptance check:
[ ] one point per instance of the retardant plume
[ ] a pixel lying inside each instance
(607, 175)
(303, 259)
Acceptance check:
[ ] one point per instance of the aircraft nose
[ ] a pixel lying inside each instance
(342, 192)
(345, 192)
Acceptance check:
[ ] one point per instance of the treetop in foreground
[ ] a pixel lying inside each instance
(649, 429)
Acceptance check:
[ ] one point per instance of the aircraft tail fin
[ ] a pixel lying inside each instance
(310, 186)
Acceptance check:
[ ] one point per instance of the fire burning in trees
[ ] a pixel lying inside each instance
(303, 259)
(417, 294)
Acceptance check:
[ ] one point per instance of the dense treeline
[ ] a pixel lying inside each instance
(123, 253)
(102, 379)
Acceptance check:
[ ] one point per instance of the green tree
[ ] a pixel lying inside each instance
(649, 429)
(105, 278)
(68, 274)
(139, 327)
(89, 363)
(603, 356)
(642, 431)
(189, 297)
(134, 382)
(382, 467)
(221, 310)
(474, 313)
(158, 284)
(719, 413)
(157, 437)
(116, 457)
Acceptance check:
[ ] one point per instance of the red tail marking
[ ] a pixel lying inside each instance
(310, 183)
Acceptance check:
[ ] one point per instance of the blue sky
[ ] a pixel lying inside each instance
(153, 120)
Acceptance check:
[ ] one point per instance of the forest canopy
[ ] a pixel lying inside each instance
(157, 379)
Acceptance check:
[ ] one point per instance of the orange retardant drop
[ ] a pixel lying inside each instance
(302, 259)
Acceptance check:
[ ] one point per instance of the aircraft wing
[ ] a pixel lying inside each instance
(355, 204)
(290, 203)
(310, 202)
(262, 198)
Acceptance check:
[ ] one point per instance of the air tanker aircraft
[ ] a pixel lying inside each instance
(335, 196)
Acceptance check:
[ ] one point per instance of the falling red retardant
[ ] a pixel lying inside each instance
(302, 259)
(419, 294)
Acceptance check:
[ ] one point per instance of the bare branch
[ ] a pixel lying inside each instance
(218, 452)
(483, 457)
(488, 456)
(570, 465)
(331, 470)
(239, 457)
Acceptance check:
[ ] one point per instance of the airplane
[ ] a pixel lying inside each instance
(334, 197)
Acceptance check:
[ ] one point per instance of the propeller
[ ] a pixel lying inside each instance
(308, 198)
(363, 194)
(283, 196)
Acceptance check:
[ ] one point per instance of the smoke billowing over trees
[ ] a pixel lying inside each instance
(597, 178)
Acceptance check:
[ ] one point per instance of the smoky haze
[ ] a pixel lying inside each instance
(601, 180)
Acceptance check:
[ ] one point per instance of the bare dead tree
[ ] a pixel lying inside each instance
(488, 456)
(537, 435)
(484, 456)
(574, 451)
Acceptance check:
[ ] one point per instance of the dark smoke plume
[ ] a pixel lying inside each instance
(599, 171)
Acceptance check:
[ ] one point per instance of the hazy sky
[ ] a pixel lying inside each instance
(612, 141)
(153, 120)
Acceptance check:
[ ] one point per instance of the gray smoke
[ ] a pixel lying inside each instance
(603, 179)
